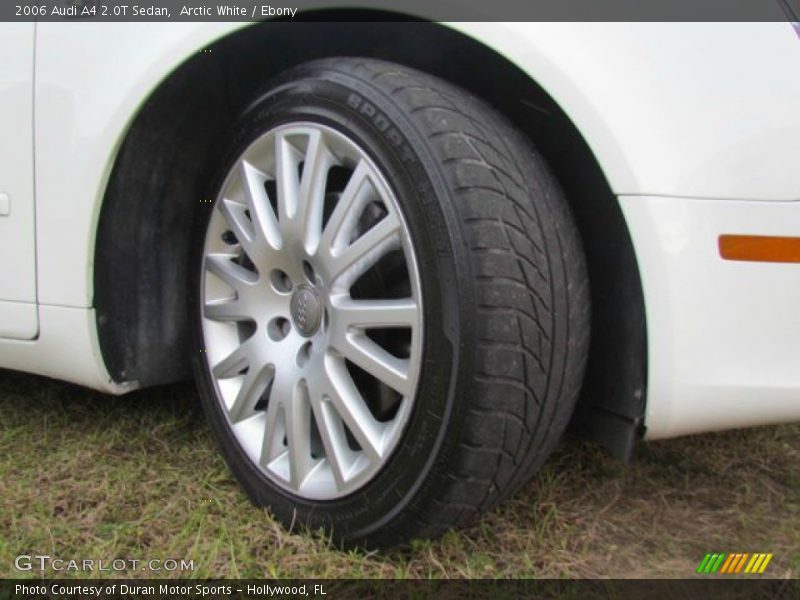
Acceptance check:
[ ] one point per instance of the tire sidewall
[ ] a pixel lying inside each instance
(372, 121)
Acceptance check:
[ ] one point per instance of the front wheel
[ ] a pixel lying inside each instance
(390, 303)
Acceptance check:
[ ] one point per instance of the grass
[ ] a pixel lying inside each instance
(84, 475)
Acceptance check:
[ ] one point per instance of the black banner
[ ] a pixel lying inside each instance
(434, 10)
(126, 589)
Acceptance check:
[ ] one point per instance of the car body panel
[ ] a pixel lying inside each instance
(86, 99)
(66, 349)
(697, 110)
(723, 347)
(17, 235)
(648, 139)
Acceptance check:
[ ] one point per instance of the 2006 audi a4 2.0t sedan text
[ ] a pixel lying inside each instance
(400, 258)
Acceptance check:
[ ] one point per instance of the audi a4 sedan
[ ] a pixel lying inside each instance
(399, 259)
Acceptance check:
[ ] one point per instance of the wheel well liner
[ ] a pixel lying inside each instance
(140, 276)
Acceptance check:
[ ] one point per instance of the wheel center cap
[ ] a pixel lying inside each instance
(306, 310)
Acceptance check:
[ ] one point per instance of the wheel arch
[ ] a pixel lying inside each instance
(142, 237)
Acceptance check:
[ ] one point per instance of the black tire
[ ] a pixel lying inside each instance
(506, 302)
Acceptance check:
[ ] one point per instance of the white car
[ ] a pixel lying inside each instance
(379, 248)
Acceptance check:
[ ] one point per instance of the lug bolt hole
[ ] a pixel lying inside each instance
(281, 282)
(278, 328)
(304, 354)
(229, 238)
(309, 272)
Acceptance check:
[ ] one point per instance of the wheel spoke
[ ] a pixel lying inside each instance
(293, 398)
(363, 253)
(352, 201)
(334, 440)
(253, 387)
(370, 314)
(234, 363)
(236, 218)
(226, 310)
(311, 199)
(264, 220)
(287, 161)
(274, 429)
(347, 401)
(376, 361)
(236, 276)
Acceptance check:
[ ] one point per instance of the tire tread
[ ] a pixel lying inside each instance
(508, 202)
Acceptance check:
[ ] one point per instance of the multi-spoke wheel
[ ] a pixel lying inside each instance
(312, 306)
(390, 303)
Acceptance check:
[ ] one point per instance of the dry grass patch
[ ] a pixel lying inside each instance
(84, 475)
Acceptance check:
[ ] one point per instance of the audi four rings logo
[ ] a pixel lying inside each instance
(301, 308)
(306, 310)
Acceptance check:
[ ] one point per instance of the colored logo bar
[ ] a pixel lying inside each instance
(731, 564)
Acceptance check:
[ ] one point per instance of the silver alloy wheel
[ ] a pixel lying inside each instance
(312, 310)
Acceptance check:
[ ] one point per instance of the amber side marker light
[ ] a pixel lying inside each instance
(760, 248)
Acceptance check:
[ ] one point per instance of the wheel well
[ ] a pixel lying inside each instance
(143, 237)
